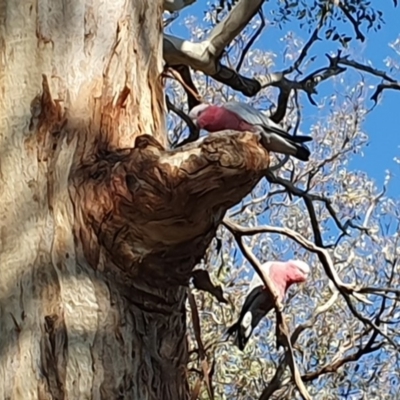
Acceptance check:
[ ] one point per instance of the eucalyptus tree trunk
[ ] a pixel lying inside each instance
(100, 225)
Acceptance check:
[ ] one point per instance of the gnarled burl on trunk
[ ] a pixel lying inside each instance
(147, 215)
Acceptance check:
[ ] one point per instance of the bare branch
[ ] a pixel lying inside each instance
(176, 5)
(178, 51)
(202, 354)
(247, 86)
(377, 290)
(292, 189)
(390, 84)
(334, 366)
(307, 84)
(224, 32)
(355, 24)
(194, 131)
(205, 56)
(181, 73)
(250, 43)
(382, 86)
(194, 97)
(283, 99)
(313, 38)
(366, 68)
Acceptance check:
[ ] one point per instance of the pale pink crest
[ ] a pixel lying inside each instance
(285, 274)
(196, 111)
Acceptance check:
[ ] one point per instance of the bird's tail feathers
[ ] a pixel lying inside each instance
(237, 331)
(234, 331)
(302, 153)
(301, 139)
(285, 134)
(283, 145)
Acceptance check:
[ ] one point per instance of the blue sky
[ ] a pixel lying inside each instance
(382, 124)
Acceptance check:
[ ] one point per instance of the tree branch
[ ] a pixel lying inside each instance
(390, 84)
(334, 366)
(224, 32)
(176, 5)
(206, 369)
(194, 97)
(313, 38)
(250, 43)
(194, 132)
(366, 68)
(347, 13)
(178, 51)
(382, 86)
(205, 56)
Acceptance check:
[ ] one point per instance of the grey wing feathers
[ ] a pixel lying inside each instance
(247, 112)
(255, 117)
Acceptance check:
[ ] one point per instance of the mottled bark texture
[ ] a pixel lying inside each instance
(100, 226)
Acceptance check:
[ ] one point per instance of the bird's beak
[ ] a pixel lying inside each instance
(193, 118)
(304, 278)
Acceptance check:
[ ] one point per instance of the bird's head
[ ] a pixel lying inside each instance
(196, 111)
(299, 270)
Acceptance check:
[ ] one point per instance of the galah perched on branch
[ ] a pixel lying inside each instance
(243, 117)
(258, 302)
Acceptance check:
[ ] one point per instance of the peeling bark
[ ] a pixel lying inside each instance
(100, 225)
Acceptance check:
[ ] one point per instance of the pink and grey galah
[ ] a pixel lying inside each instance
(258, 301)
(243, 117)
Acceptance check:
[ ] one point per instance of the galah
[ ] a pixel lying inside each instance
(243, 117)
(259, 303)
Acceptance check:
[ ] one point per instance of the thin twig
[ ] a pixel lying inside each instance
(250, 43)
(202, 354)
(194, 132)
(275, 382)
(355, 23)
